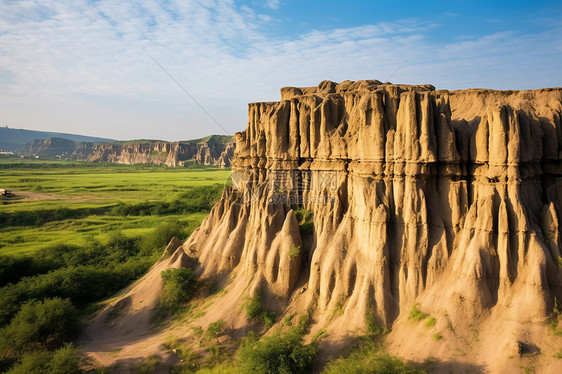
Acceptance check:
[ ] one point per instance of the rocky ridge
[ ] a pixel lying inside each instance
(51, 147)
(207, 151)
(449, 200)
(162, 153)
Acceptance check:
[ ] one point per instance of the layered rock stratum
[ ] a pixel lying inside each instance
(446, 199)
(364, 203)
(162, 153)
(213, 150)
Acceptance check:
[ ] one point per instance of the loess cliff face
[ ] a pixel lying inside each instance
(205, 152)
(162, 153)
(447, 199)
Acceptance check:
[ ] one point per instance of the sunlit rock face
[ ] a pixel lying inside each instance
(446, 198)
(137, 152)
(161, 153)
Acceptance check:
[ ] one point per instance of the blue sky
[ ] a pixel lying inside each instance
(87, 66)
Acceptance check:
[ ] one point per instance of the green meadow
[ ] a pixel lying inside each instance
(72, 234)
(59, 202)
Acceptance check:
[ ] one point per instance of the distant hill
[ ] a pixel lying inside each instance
(210, 150)
(52, 147)
(15, 139)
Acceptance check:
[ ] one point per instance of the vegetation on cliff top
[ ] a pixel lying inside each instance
(212, 139)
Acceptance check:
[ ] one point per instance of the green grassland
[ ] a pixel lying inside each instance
(87, 198)
(75, 233)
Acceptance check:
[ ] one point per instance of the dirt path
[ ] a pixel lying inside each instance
(31, 196)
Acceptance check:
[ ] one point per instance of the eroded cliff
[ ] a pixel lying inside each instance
(446, 199)
(213, 150)
(162, 153)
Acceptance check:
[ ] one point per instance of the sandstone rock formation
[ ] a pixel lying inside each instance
(162, 153)
(206, 151)
(446, 199)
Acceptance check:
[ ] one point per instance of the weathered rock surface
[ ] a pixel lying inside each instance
(447, 199)
(204, 152)
(162, 153)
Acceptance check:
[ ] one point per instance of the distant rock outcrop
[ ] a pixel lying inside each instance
(447, 199)
(212, 150)
(162, 153)
(51, 147)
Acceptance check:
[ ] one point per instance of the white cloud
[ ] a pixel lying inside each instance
(272, 4)
(84, 67)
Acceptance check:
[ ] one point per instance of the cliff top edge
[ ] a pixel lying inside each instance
(327, 87)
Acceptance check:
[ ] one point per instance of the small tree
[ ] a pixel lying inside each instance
(254, 310)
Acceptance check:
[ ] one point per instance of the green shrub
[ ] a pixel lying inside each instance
(374, 325)
(430, 322)
(36, 362)
(215, 329)
(252, 306)
(369, 358)
(288, 321)
(39, 324)
(416, 314)
(294, 252)
(179, 286)
(437, 337)
(268, 317)
(254, 310)
(65, 360)
(278, 353)
(305, 218)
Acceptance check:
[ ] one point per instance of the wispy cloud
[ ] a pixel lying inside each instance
(272, 4)
(86, 63)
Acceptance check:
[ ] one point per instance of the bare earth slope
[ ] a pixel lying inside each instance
(446, 199)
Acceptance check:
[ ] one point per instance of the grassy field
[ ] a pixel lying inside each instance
(72, 235)
(88, 194)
